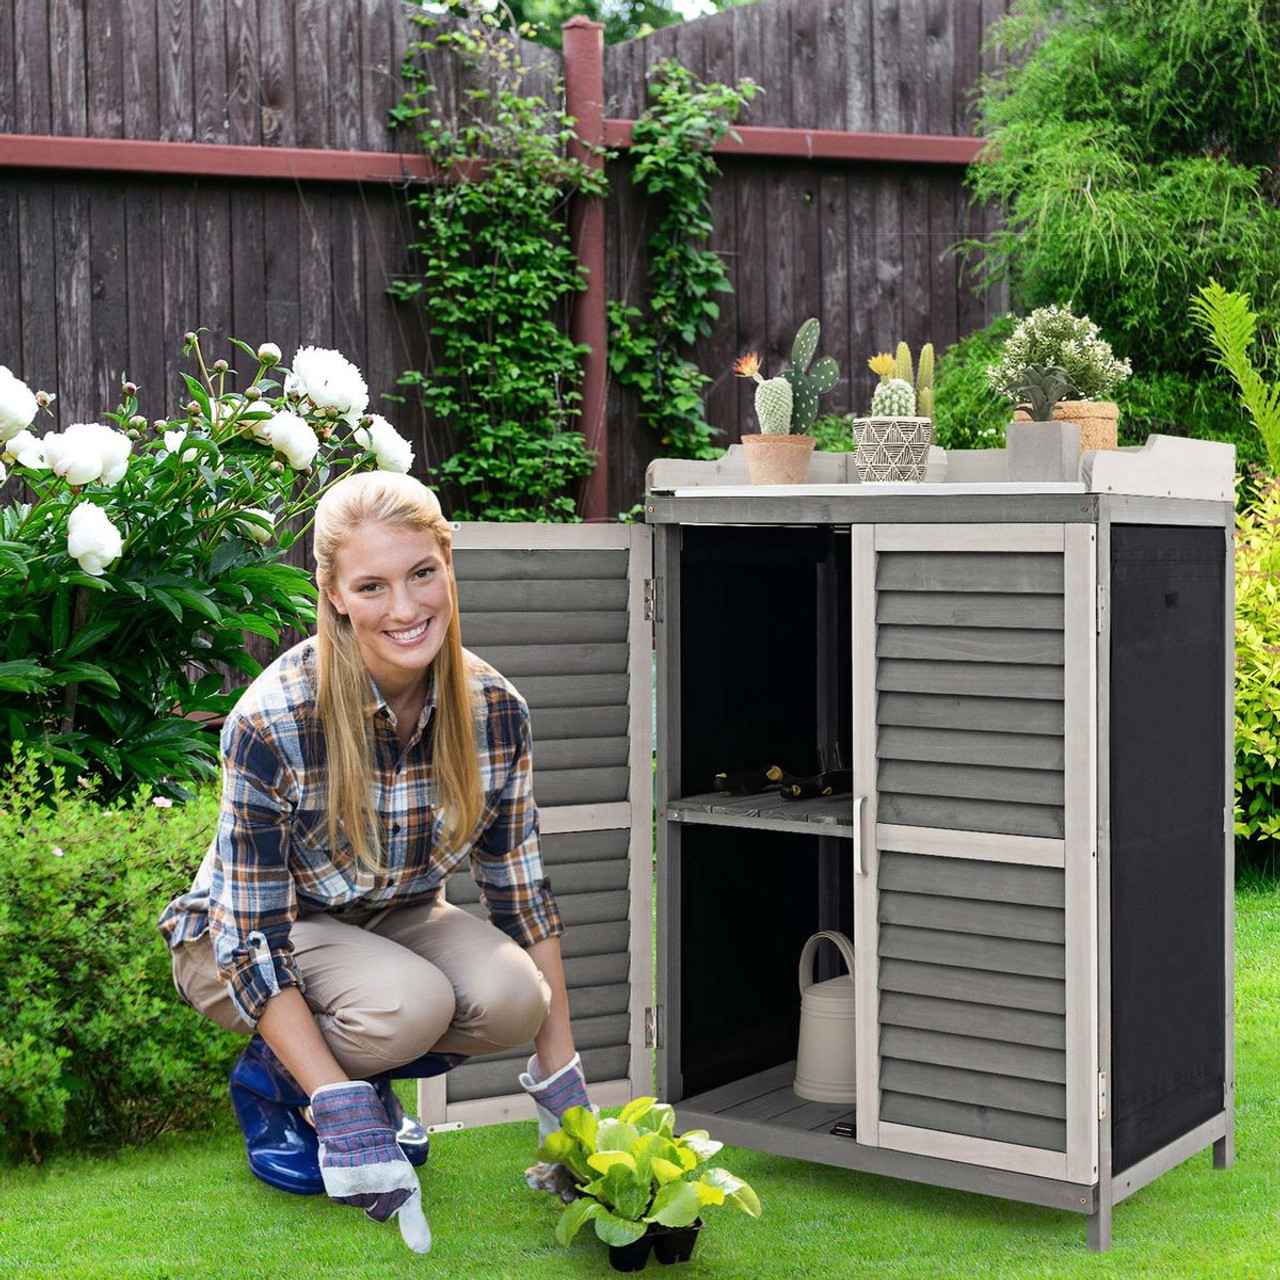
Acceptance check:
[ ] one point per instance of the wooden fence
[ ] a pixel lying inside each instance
(101, 271)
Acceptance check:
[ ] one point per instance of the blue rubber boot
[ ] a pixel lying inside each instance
(282, 1146)
(412, 1138)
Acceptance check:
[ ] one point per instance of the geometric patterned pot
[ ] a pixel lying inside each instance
(892, 448)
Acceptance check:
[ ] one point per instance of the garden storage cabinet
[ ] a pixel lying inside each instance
(1033, 687)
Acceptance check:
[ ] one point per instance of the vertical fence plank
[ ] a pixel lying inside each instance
(744, 30)
(177, 43)
(68, 98)
(753, 283)
(213, 205)
(317, 298)
(717, 353)
(32, 66)
(802, 64)
(104, 69)
(942, 99)
(859, 86)
(833, 288)
(244, 120)
(775, 63)
(944, 282)
(276, 92)
(181, 251)
(344, 84)
(864, 340)
(912, 68)
(73, 301)
(886, 295)
(208, 24)
(832, 66)
(249, 268)
(141, 71)
(886, 48)
(915, 256)
(10, 278)
(783, 254)
(379, 76)
(280, 236)
(311, 72)
(147, 336)
(108, 289)
(8, 74)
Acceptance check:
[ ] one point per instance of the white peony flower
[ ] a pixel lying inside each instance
(26, 450)
(4, 474)
(269, 353)
(87, 451)
(17, 405)
(173, 442)
(330, 380)
(92, 539)
(256, 531)
(294, 438)
(392, 450)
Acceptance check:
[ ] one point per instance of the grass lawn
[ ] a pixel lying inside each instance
(187, 1207)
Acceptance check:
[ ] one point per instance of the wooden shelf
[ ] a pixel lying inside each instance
(824, 816)
(768, 1098)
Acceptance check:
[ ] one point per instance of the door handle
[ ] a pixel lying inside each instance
(858, 865)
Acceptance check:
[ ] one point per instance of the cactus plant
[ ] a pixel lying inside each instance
(893, 398)
(902, 365)
(774, 398)
(808, 384)
(924, 381)
(1040, 387)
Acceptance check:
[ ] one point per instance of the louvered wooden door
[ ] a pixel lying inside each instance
(975, 880)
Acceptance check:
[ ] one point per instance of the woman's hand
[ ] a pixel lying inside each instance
(552, 1097)
(360, 1162)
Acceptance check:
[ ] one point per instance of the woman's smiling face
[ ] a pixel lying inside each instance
(392, 583)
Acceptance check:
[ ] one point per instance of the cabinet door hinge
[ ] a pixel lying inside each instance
(653, 1026)
(1102, 607)
(653, 599)
(1102, 1095)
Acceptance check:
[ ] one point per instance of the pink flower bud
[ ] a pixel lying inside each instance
(252, 394)
(137, 422)
(220, 366)
(192, 407)
(129, 388)
(45, 398)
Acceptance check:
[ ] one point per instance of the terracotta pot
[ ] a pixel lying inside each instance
(773, 459)
(1097, 420)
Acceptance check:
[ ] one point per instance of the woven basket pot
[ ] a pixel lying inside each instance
(892, 448)
(1097, 419)
(775, 459)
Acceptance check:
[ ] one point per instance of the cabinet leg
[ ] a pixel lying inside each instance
(1100, 1228)
(1224, 1151)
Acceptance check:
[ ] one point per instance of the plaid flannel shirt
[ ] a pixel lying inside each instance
(271, 861)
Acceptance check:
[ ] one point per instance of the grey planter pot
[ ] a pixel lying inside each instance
(1043, 450)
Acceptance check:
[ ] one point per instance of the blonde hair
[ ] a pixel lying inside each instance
(386, 497)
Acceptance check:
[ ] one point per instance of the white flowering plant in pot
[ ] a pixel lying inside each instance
(135, 554)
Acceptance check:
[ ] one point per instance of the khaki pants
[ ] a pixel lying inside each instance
(393, 985)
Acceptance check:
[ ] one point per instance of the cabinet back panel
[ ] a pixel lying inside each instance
(749, 900)
(1168, 707)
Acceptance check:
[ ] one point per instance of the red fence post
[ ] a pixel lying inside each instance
(588, 325)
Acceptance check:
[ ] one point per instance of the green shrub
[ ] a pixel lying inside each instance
(96, 1047)
(833, 433)
(970, 413)
(1258, 680)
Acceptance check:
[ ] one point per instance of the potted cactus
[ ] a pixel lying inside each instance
(1054, 337)
(786, 406)
(1041, 446)
(892, 442)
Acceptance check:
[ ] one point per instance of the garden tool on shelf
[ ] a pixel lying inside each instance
(832, 779)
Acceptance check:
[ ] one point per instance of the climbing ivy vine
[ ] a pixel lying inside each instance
(496, 270)
(672, 148)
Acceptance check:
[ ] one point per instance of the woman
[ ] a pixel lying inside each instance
(359, 770)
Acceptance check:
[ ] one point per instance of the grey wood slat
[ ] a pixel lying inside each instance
(971, 782)
(724, 1097)
(953, 1084)
(575, 691)
(480, 629)
(602, 1033)
(487, 564)
(580, 753)
(1002, 955)
(951, 814)
(595, 970)
(599, 1001)
(611, 843)
(975, 1054)
(969, 609)
(551, 724)
(574, 660)
(568, 880)
(957, 1017)
(581, 786)
(572, 595)
(958, 746)
(1010, 990)
(596, 940)
(768, 1106)
(1002, 572)
(969, 644)
(939, 711)
(969, 679)
(496, 1077)
(971, 878)
(978, 1122)
(982, 919)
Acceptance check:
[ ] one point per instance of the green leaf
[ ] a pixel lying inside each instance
(615, 1230)
(578, 1213)
(87, 673)
(735, 1190)
(22, 676)
(676, 1205)
(90, 634)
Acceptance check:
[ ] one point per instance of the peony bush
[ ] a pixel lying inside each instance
(137, 553)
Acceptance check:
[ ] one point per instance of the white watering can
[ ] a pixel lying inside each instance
(825, 1058)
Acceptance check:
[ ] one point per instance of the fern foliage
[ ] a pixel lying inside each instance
(1225, 319)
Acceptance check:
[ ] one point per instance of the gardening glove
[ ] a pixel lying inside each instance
(360, 1162)
(552, 1097)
